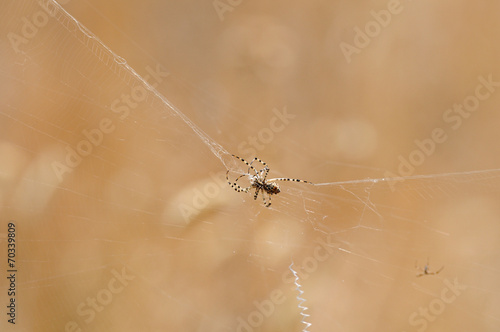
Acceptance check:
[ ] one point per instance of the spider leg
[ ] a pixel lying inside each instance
(287, 179)
(260, 161)
(268, 204)
(264, 170)
(234, 185)
(256, 193)
(254, 159)
(249, 165)
(239, 177)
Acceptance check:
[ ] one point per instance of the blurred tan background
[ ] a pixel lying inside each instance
(125, 222)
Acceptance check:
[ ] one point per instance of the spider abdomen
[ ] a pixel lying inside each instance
(272, 188)
(258, 181)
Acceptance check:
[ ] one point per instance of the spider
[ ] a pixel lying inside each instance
(259, 181)
(425, 270)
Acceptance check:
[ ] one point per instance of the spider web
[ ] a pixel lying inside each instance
(115, 179)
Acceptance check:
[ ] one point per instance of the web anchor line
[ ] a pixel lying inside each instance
(106, 55)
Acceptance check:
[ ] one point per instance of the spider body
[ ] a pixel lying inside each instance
(271, 188)
(259, 181)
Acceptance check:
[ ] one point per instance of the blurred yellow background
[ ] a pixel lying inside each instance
(117, 124)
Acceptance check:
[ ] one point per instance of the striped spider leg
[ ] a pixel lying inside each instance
(259, 181)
